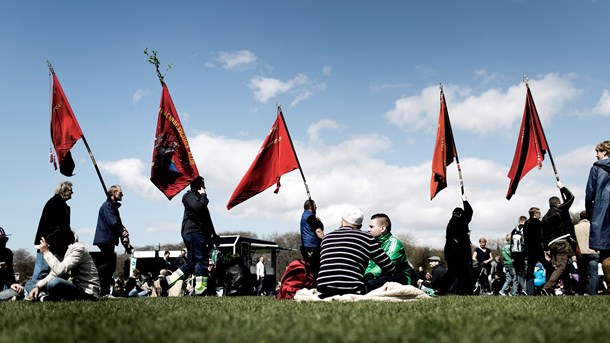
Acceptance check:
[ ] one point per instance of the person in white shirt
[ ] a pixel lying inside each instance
(260, 275)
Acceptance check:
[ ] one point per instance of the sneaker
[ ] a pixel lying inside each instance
(502, 293)
(545, 292)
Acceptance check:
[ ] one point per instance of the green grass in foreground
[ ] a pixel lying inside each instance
(263, 319)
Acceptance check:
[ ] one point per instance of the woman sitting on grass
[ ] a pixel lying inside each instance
(76, 262)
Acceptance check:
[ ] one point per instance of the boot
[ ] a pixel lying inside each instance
(167, 282)
(201, 284)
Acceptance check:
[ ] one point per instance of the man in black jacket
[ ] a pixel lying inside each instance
(56, 213)
(558, 235)
(198, 235)
(437, 284)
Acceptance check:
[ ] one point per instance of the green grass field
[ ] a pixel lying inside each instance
(263, 319)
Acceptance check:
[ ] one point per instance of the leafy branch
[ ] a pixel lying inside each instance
(152, 59)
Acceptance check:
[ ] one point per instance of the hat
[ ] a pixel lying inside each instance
(434, 258)
(2, 233)
(539, 265)
(353, 216)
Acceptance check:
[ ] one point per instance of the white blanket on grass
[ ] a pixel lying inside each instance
(390, 291)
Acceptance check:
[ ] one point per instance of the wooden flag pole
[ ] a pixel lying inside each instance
(279, 109)
(97, 170)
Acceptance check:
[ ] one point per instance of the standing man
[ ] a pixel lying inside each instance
(589, 277)
(260, 275)
(344, 254)
(597, 204)
(107, 234)
(557, 235)
(380, 227)
(534, 247)
(458, 250)
(511, 278)
(56, 213)
(312, 232)
(517, 252)
(198, 235)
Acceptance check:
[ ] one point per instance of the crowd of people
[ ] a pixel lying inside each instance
(545, 255)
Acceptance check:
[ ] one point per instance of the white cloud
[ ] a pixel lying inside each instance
(237, 59)
(489, 112)
(314, 129)
(266, 88)
(603, 104)
(133, 174)
(327, 70)
(139, 94)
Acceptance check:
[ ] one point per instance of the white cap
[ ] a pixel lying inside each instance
(353, 216)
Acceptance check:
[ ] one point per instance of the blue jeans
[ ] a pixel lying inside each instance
(259, 288)
(198, 256)
(8, 293)
(41, 270)
(60, 289)
(511, 279)
(591, 278)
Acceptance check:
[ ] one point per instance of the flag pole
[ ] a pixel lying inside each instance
(457, 159)
(526, 81)
(279, 109)
(97, 170)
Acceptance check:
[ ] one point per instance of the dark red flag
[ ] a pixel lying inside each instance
(531, 146)
(275, 158)
(65, 131)
(173, 166)
(444, 151)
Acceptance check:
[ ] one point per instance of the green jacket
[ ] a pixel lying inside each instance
(394, 248)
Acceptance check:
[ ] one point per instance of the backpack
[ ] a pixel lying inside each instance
(298, 275)
(517, 244)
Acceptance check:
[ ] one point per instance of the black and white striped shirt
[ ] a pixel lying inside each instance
(344, 255)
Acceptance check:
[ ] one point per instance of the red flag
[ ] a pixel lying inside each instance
(531, 146)
(173, 166)
(65, 131)
(444, 151)
(275, 158)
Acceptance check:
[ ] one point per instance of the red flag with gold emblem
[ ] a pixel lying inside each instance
(173, 167)
(275, 158)
(65, 131)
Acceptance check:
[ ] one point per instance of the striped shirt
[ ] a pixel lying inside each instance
(344, 255)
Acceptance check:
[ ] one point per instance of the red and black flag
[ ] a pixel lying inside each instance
(444, 150)
(275, 158)
(173, 166)
(65, 131)
(531, 145)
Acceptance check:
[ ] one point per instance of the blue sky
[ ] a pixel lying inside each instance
(358, 83)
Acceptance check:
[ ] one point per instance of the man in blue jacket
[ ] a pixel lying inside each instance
(108, 232)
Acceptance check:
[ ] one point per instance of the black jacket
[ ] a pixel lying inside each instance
(55, 213)
(557, 221)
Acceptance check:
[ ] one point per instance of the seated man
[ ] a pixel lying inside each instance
(9, 288)
(437, 284)
(344, 254)
(380, 228)
(76, 262)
